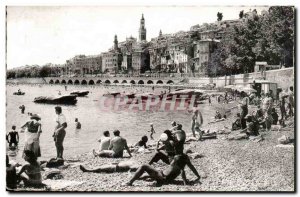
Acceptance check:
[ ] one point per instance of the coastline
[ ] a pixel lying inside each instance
(242, 165)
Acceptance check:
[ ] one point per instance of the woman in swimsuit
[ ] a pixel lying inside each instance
(30, 173)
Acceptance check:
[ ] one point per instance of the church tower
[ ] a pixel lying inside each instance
(160, 33)
(116, 43)
(142, 30)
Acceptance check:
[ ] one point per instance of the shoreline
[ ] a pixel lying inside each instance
(226, 166)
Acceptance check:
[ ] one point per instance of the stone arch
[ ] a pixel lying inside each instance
(91, 82)
(76, 82)
(70, 82)
(63, 81)
(116, 81)
(159, 82)
(51, 81)
(124, 81)
(140, 82)
(99, 81)
(150, 82)
(107, 81)
(170, 82)
(56, 81)
(83, 82)
(132, 82)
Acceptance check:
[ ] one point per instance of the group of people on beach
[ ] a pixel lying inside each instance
(169, 149)
(30, 173)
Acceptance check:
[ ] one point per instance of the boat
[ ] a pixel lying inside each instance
(65, 100)
(19, 93)
(80, 93)
(114, 94)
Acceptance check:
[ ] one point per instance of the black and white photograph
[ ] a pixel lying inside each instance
(111, 98)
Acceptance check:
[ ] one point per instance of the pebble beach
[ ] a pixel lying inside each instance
(223, 165)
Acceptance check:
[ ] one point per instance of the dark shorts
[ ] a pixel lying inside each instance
(59, 138)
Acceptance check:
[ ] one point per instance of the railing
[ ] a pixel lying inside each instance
(150, 75)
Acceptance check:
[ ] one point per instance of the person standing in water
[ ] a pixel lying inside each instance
(22, 107)
(78, 124)
(32, 135)
(60, 133)
(13, 137)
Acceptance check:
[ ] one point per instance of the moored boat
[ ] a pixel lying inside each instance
(64, 100)
(19, 93)
(80, 93)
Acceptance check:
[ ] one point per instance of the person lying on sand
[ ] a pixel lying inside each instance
(116, 147)
(169, 174)
(123, 166)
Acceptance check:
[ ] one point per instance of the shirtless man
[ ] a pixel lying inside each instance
(197, 120)
(169, 174)
(116, 147)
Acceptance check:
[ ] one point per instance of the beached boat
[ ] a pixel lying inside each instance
(114, 94)
(187, 92)
(19, 93)
(80, 93)
(65, 100)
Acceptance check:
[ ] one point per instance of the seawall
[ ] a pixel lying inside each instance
(284, 77)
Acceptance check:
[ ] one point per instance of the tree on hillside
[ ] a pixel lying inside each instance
(45, 71)
(220, 16)
(278, 35)
(241, 15)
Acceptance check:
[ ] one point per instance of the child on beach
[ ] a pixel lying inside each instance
(152, 131)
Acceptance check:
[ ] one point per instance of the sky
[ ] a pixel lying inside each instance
(45, 34)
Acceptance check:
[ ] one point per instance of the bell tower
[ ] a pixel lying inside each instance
(116, 43)
(142, 30)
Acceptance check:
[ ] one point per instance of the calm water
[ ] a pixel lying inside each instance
(94, 121)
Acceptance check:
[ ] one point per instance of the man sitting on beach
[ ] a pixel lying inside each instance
(169, 174)
(218, 116)
(236, 125)
(165, 152)
(179, 140)
(116, 147)
(104, 142)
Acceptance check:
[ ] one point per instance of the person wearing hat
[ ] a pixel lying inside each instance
(59, 133)
(33, 131)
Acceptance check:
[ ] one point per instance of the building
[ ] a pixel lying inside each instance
(142, 29)
(112, 60)
(82, 65)
(137, 62)
(202, 54)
